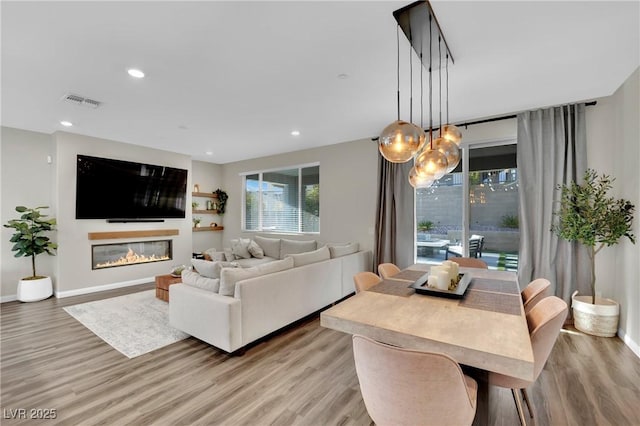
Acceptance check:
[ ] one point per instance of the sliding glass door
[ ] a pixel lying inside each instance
(472, 211)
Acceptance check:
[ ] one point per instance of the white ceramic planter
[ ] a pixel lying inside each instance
(34, 290)
(600, 319)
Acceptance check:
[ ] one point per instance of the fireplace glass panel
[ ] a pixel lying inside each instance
(132, 253)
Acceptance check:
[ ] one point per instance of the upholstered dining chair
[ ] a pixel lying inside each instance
(545, 321)
(470, 262)
(537, 290)
(365, 280)
(386, 270)
(408, 387)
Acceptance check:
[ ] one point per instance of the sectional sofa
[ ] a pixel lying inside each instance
(245, 304)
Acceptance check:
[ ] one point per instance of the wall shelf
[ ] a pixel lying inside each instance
(132, 234)
(208, 228)
(204, 194)
(205, 211)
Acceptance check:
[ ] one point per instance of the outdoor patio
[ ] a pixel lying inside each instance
(500, 261)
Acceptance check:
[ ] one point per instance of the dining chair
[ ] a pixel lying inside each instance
(474, 248)
(470, 262)
(387, 270)
(545, 321)
(409, 387)
(365, 280)
(537, 290)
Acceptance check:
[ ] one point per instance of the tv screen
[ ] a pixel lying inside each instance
(115, 189)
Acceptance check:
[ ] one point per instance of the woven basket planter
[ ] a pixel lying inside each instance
(600, 319)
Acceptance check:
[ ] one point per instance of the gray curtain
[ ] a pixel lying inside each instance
(394, 238)
(551, 151)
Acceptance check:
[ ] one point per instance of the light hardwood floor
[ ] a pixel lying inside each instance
(301, 376)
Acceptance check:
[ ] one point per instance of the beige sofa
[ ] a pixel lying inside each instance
(265, 301)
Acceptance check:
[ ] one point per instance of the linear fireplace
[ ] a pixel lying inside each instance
(131, 253)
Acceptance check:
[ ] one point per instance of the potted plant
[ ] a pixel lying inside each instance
(29, 241)
(222, 200)
(587, 215)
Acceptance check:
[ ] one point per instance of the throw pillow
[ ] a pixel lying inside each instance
(206, 268)
(196, 280)
(343, 249)
(302, 259)
(240, 248)
(295, 247)
(255, 250)
(270, 246)
(214, 256)
(228, 254)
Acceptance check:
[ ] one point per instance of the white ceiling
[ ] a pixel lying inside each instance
(235, 78)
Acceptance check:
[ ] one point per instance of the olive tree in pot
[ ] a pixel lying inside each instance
(29, 241)
(587, 215)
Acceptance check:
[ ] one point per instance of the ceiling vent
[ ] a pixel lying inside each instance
(79, 100)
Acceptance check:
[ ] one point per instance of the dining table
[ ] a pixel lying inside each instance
(484, 329)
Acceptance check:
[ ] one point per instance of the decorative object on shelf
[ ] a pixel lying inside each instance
(222, 200)
(587, 215)
(196, 188)
(209, 205)
(29, 241)
(213, 224)
(176, 271)
(196, 222)
(401, 141)
(194, 205)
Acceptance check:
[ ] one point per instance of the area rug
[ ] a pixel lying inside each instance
(134, 324)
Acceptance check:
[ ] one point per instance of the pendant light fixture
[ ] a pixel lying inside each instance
(449, 131)
(400, 141)
(447, 147)
(431, 164)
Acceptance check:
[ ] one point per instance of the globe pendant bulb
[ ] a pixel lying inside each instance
(451, 133)
(418, 181)
(400, 141)
(431, 164)
(450, 150)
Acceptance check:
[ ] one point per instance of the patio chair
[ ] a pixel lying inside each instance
(474, 248)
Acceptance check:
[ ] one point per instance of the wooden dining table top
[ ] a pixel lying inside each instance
(485, 329)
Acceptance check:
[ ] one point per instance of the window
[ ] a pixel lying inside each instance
(286, 200)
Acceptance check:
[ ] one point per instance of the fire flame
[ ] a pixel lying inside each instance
(131, 258)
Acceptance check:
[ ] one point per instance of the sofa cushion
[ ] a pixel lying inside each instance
(210, 269)
(229, 277)
(240, 248)
(270, 246)
(196, 280)
(254, 261)
(255, 250)
(302, 259)
(342, 249)
(228, 254)
(295, 247)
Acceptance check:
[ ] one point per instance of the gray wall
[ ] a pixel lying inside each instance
(348, 182)
(26, 179)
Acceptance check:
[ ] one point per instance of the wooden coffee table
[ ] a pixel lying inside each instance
(162, 285)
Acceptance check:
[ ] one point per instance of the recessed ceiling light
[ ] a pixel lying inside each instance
(66, 123)
(295, 133)
(209, 152)
(343, 76)
(135, 73)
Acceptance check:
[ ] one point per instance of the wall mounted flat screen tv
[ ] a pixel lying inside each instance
(119, 190)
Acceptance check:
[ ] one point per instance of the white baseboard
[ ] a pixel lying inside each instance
(629, 342)
(87, 290)
(9, 298)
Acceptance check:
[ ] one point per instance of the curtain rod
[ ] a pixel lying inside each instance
(488, 120)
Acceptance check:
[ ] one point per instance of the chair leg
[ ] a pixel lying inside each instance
(519, 407)
(526, 400)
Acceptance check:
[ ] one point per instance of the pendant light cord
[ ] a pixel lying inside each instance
(430, 88)
(447, 72)
(440, 84)
(398, 67)
(421, 91)
(410, 76)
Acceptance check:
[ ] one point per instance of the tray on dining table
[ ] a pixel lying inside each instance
(420, 286)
